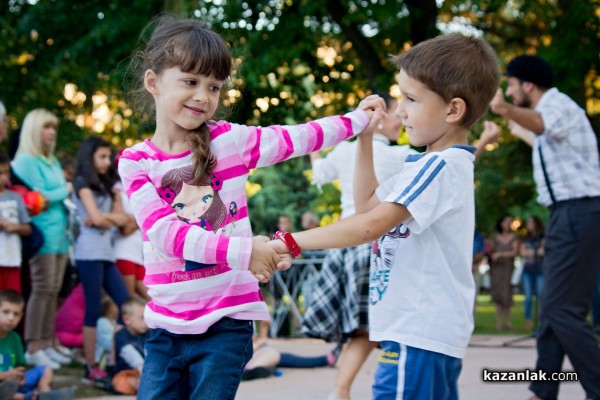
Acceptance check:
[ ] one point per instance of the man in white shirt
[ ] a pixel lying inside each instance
(567, 174)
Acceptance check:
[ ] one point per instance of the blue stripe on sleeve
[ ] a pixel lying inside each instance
(424, 185)
(417, 178)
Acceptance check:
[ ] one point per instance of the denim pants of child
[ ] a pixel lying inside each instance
(206, 366)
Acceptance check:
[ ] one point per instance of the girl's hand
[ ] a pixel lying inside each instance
(284, 253)
(264, 259)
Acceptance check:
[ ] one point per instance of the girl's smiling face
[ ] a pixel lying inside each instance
(184, 100)
(192, 202)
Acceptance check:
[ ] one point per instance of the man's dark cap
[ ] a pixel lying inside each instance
(532, 69)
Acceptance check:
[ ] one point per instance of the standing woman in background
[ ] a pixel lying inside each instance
(99, 210)
(532, 251)
(36, 165)
(504, 248)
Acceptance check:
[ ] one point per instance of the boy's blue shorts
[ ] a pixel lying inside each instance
(406, 372)
(32, 377)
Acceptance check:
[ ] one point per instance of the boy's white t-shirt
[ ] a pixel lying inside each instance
(421, 287)
(13, 210)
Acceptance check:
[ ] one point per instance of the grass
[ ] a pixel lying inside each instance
(485, 316)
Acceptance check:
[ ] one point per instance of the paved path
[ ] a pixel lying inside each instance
(493, 352)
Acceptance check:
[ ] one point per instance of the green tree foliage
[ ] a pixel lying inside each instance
(296, 60)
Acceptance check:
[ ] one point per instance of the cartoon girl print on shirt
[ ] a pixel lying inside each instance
(197, 203)
(382, 260)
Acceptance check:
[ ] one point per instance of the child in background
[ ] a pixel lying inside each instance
(423, 218)
(532, 251)
(266, 359)
(14, 223)
(12, 355)
(129, 347)
(99, 211)
(128, 246)
(186, 186)
(105, 331)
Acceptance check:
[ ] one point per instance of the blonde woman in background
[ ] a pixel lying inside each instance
(36, 165)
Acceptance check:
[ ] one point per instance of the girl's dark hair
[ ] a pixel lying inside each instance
(85, 166)
(193, 47)
(499, 222)
(539, 226)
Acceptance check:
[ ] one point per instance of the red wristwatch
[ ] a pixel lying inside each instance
(290, 242)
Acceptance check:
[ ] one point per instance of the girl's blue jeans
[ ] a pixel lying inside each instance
(532, 284)
(206, 366)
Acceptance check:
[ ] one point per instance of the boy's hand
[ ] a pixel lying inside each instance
(264, 259)
(15, 374)
(7, 226)
(367, 133)
(371, 103)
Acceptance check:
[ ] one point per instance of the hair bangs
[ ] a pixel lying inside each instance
(201, 52)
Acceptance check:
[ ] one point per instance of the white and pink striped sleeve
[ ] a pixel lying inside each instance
(169, 235)
(263, 146)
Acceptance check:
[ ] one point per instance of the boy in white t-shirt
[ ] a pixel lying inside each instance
(14, 223)
(421, 288)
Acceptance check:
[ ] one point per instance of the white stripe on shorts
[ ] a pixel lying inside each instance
(401, 372)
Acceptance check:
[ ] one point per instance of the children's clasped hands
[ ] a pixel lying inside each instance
(269, 256)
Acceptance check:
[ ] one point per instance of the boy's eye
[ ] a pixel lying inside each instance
(215, 88)
(190, 82)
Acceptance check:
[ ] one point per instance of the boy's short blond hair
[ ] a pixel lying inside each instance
(130, 304)
(455, 66)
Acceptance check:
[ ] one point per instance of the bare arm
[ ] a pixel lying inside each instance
(10, 227)
(527, 118)
(95, 216)
(358, 229)
(518, 131)
(490, 135)
(365, 182)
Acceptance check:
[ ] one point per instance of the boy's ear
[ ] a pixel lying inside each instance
(457, 108)
(150, 81)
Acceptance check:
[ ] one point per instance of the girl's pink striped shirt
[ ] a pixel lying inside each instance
(189, 301)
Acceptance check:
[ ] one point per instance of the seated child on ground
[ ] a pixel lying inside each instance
(266, 359)
(105, 332)
(129, 347)
(12, 355)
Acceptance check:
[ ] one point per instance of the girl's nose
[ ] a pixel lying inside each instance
(200, 95)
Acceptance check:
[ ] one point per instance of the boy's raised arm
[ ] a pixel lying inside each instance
(365, 181)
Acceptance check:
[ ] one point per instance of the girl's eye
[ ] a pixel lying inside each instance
(190, 82)
(207, 198)
(178, 206)
(215, 88)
